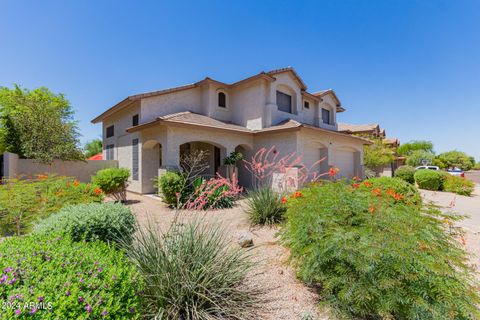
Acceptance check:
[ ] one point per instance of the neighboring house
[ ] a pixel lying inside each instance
(369, 130)
(373, 131)
(148, 133)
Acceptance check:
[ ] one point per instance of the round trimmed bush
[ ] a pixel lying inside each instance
(370, 259)
(429, 179)
(113, 181)
(408, 191)
(55, 278)
(170, 184)
(108, 222)
(406, 173)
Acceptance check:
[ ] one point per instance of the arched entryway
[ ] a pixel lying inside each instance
(151, 162)
(213, 155)
(244, 176)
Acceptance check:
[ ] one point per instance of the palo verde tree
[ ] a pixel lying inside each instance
(408, 148)
(378, 154)
(38, 124)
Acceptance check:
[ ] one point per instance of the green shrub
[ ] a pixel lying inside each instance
(405, 173)
(429, 179)
(374, 260)
(22, 202)
(170, 184)
(113, 181)
(476, 166)
(233, 158)
(409, 193)
(191, 272)
(265, 207)
(108, 222)
(458, 185)
(54, 278)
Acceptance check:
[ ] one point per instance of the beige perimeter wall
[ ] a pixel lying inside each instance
(82, 170)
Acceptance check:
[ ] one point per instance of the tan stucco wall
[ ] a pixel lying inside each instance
(82, 170)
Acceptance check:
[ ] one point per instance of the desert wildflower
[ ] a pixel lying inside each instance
(97, 191)
(284, 200)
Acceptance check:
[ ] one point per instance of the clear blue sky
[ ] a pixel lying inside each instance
(412, 66)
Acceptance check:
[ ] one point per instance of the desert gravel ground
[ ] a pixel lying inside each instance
(286, 298)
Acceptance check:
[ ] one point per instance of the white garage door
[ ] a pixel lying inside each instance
(344, 160)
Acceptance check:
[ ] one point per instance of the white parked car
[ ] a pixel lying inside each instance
(427, 167)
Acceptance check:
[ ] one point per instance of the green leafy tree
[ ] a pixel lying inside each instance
(416, 157)
(456, 159)
(416, 145)
(378, 154)
(38, 124)
(92, 148)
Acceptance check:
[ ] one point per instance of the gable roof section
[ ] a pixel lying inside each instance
(330, 92)
(191, 119)
(302, 84)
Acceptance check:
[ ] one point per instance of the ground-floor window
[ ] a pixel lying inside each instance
(109, 149)
(135, 159)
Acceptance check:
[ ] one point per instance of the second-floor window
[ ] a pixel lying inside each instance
(110, 131)
(135, 120)
(222, 100)
(306, 105)
(284, 102)
(326, 116)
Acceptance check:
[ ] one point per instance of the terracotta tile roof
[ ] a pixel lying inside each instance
(354, 128)
(262, 75)
(391, 141)
(188, 118)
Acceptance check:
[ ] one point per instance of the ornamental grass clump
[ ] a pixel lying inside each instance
(191, 272)
(55, 278)
(373, 257)
(266, 207)
(108, 222)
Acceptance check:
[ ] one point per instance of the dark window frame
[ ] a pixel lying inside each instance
(326, 115)
(306, 105)
(222, 100)
(284, 102)
(135, 120)
(110, 131)
(135, 160)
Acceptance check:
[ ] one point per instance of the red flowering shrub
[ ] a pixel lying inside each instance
(215, 193)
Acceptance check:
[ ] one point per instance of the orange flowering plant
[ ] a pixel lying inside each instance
(378, 243)
(24, 201)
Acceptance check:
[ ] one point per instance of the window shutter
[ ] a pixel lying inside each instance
(135, 159)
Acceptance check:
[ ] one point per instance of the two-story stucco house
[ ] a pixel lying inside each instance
(149, 132)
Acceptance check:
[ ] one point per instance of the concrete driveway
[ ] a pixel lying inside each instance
(473, 175)
(469, 206)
